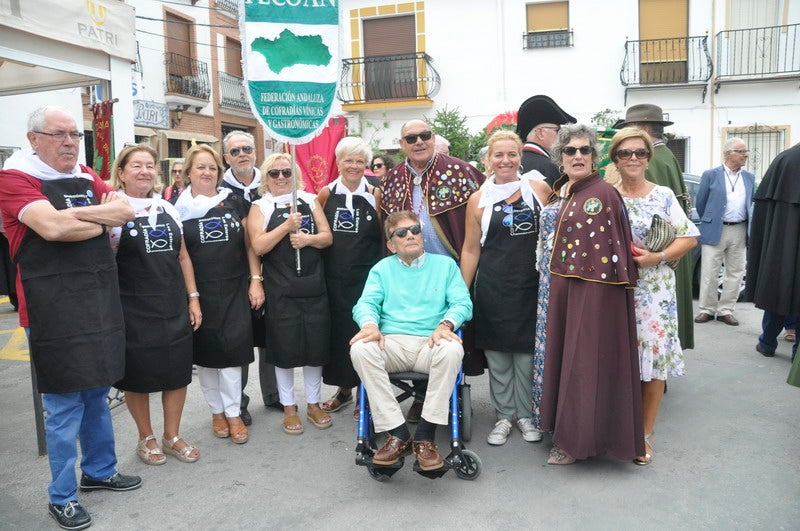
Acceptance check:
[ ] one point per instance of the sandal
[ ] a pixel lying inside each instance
(559, 457)
(239, 433)
(147, 454)
(182, 455)
(790, 336)
(319, 418)
(292, 424)
(337, 402)
(356, 411)
(220, 427)
(648, 456)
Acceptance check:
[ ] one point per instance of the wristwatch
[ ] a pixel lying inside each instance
(449, 324)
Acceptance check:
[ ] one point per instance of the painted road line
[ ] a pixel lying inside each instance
(16, 348)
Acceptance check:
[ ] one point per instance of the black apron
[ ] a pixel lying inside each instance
(357, 246)
(215, 243)
(77, 331)
(158, 350)
(507, 282)
(296, 309)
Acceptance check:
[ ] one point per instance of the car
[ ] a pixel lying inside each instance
(692, 186)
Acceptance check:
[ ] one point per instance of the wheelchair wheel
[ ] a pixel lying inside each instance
(471, 465)
(466, 413)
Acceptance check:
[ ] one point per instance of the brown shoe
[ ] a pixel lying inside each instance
(703, 318)
(728, 320)
(392, 450)
(428, 455)
(415, 411)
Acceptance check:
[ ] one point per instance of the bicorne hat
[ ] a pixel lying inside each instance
(540, 109)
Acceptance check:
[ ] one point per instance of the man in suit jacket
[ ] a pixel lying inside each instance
(723, 204)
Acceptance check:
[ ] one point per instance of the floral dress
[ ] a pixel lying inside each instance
(547, 225)
(660, 353)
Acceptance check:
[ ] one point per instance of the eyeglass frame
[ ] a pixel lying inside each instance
(412, 138)
(571, 151)
(274, 173)
(627, 154)
(739, 151)
(62, 136)
(248, 150)
(416, 230)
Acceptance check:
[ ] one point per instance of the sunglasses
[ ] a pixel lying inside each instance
(176, 171)
(377, 166)
(571, 150)
(235, 151)
(403, 231)
(640, 153)
(412, 139)
(275, 173)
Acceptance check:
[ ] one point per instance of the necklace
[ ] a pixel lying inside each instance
(734, 182)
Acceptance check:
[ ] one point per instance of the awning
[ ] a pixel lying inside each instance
(144, 131)
(183, 135)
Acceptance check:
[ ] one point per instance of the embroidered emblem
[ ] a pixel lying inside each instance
(213, 230)
(593, 206)
(443, 193)
(158, 239)
(345, 221)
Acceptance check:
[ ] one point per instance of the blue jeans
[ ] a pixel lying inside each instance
(85, 415)
(771, 326)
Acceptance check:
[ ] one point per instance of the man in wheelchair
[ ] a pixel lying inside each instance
(411, 305)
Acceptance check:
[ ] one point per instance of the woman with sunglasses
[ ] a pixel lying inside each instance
(158, 320)
(591, 397)
(228, 285)
(350, 205)
(381, 164)
(296, 313)
(660, 353)
(172, 191)
(502, 228)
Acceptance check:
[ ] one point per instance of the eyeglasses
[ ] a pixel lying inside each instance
(61, 136)
(412, 139)
(235, 151)
(555, 128)
(625, 154)
(740, 151)
(571, 150)
(377, 166)
(403, 231)
(275, 173)
(176, 171)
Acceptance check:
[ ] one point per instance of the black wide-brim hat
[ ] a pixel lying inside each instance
(540, 109)
(647, 113)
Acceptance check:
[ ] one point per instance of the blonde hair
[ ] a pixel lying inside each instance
(122, 160)
(269, 163)
(626, 133)
(192, 154)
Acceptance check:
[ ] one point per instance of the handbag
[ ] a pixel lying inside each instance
(660, 235)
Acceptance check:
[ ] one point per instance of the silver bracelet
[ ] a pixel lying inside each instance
(194, 294)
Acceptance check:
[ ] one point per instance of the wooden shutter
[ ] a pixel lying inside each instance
(389, 36)
(233, 57)
(547, 16)
(178, 33)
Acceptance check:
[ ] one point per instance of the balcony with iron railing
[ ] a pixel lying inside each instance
(186, 78)
(758, 54)
(672, 62)
(231, 92)
(547, 39)
(228, 7)
(407, 79)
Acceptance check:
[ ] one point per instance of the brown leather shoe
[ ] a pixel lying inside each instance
(428, 455)
(703, 318)
(392, 450)
(728, 320)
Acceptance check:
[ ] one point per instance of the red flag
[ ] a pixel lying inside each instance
(317, 160)
(103, 138)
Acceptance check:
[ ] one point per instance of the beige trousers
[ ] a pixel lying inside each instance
(732, 250)
(407, 353)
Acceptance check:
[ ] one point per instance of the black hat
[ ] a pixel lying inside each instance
(540, 109)
(645, 113)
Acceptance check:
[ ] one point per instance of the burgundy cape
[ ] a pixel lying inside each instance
(447, 185)
(591, 398)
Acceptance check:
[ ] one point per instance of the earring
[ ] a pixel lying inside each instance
(561, 170)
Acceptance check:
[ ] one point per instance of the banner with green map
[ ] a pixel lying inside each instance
(290, 51)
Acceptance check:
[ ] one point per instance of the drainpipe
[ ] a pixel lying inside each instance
(712, 93)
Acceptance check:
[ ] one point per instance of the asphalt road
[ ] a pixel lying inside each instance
(726, 457)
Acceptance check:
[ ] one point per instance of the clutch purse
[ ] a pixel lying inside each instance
(660, 235)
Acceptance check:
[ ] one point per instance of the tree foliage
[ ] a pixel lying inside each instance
(451, 124)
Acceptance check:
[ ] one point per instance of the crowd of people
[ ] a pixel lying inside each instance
(554, 276)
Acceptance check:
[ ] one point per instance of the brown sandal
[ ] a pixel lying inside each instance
(319, 418)
(220, 427)
(337, 402)
(239, 433)
(292, 420)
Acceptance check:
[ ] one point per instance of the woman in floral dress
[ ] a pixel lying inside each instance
(660, 353)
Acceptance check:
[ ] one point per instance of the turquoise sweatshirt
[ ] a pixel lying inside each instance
(413, 300)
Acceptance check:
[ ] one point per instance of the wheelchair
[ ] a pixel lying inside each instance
(466, 464)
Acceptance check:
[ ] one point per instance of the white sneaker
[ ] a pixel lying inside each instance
(499, 435)
(529, 433)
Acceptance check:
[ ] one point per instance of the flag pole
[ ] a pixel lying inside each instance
(297, 265)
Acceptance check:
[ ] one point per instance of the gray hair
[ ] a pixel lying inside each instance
(353, 144)
(570, 131)
(37, 120)
(230, 135)
(731, 142)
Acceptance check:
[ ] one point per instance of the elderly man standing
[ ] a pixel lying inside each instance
(436, 187)
(243, 178)
(411, 305)
(723, 204)
(538, 120)
(56, 215)
(664, 170)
